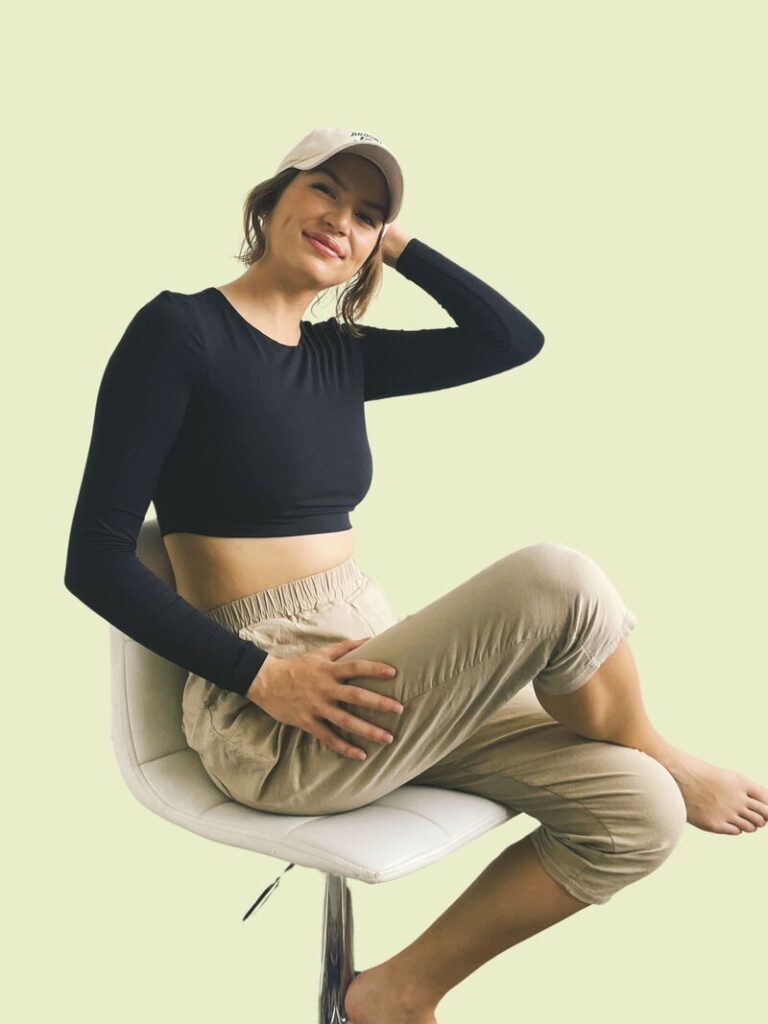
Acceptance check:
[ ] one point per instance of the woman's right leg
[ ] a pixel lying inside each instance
(609, 815)
(545, 611)
(511, 900)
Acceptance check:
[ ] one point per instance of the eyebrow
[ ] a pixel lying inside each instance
(340, 183)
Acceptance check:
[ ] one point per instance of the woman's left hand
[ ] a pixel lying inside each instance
(393, 243)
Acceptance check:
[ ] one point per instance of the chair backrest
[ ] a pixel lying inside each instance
(146, 689)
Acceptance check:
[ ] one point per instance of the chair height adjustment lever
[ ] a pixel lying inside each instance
(267, 892)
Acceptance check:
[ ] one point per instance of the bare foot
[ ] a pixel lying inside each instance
(718, 799)
(374, 997)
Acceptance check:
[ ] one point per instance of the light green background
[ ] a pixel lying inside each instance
(603, 166)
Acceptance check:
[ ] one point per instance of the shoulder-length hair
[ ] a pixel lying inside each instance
(357, 294)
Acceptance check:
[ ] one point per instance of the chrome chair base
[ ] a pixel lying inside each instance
(337, 962)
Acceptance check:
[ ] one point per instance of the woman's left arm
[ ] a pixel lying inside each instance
(393, 243)
(490, 335)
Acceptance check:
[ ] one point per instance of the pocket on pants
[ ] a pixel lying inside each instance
(240, 753)
(237, 771)
(231, 724)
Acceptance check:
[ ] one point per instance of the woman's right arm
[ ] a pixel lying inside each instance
(144, 394)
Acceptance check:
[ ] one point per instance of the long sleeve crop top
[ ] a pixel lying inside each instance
(233, 434)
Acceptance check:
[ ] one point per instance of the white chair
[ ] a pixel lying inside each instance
(406, 830)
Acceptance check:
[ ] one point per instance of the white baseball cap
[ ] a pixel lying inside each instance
(322, 143)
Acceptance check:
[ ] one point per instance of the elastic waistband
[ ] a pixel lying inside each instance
(302, 594)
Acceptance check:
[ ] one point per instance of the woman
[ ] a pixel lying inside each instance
(245, 425)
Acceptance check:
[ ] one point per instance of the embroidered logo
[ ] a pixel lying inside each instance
(366, 135)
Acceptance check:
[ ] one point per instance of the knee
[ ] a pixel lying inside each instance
(558, 563)
(561, 572)
(639, 823)
(659, 810)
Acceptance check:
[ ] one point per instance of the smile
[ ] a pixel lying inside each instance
(324, 249)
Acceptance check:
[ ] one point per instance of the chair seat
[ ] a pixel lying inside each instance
(391, 837)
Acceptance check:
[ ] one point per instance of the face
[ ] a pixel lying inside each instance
(344, 199)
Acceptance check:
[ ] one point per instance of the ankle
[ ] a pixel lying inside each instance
(410, 986)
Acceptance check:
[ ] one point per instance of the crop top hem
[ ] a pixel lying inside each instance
(330, 523)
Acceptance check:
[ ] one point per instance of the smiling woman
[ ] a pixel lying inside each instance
(253, 447)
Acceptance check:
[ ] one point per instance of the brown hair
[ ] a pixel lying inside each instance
(356, 296)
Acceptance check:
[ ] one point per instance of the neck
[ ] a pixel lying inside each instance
(272, 297)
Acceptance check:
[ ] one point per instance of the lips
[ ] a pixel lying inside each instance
(326, 241)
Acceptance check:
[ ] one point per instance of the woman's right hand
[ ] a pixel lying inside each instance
(304, 691)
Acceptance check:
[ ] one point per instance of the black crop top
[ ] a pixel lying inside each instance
(233, 434)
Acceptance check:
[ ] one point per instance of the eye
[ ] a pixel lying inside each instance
(324, 187)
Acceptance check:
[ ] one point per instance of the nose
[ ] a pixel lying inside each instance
(338, 221)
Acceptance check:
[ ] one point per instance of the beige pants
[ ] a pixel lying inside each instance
(608, 814)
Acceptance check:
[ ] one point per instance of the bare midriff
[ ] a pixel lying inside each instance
(211, 571)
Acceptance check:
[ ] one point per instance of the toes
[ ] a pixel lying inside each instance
(759, 809)
(744, 823)
(754, 816)
(757, 792)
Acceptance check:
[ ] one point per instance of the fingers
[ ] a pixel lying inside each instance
(350, 669)
(368, 699)
(329, 738)
(353, 724)
(353, 695)
(342, 646)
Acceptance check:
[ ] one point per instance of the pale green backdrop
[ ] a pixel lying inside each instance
(601, 164)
